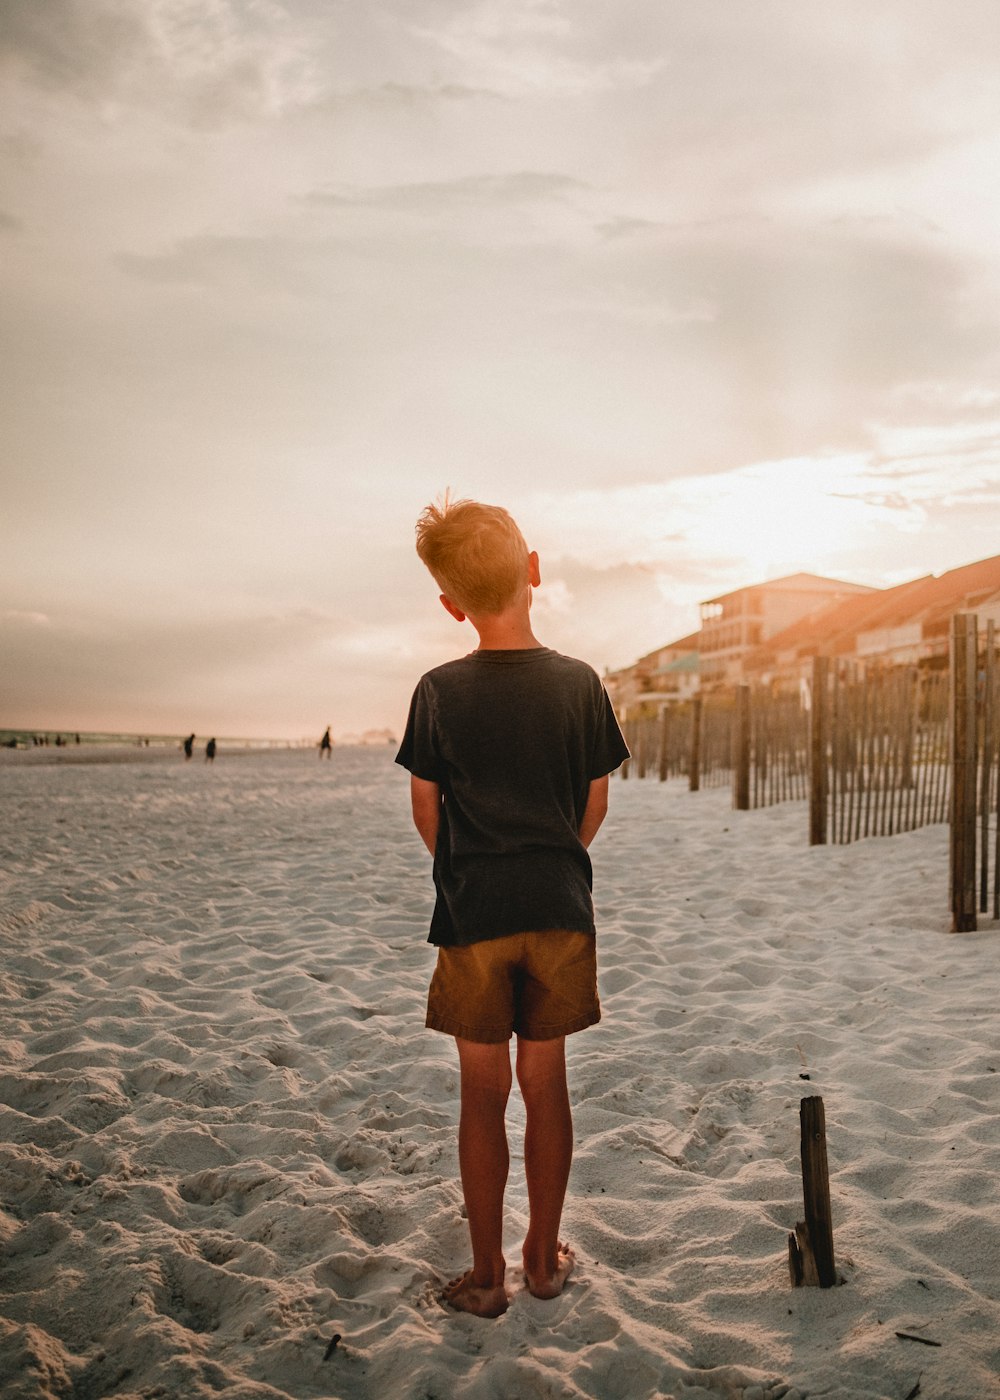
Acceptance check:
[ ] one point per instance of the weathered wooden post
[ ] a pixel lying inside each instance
(819, 778)
(639, 752)
(986, 767)
(741, 750)
(694, 772)
(994, 758)
(963, 773)
(810, 1248)
(664, 741)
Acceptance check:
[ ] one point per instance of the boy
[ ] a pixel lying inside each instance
(509, 751)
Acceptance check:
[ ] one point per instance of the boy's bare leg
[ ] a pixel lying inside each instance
(548, 1151)
(484, 1160)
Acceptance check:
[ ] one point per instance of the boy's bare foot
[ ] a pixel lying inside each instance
(540, 1286)
(466, 1296)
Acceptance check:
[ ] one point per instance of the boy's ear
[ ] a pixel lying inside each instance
(449, 607)
(534, 577)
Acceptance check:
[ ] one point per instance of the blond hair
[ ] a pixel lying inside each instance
(475, 552)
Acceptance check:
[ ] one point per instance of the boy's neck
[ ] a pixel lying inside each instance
(506, 631)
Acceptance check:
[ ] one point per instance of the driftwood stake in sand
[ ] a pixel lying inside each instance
(810, 1248)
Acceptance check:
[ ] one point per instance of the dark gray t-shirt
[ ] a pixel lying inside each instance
(514, 739)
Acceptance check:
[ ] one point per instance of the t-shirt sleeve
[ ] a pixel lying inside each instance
(419, 750)
(610, 749)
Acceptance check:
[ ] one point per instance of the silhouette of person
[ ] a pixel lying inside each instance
(326, 744)
(188, 746)
(210, 751)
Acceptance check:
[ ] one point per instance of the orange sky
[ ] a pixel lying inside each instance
(703, 293)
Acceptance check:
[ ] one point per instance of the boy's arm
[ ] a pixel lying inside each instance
(425, 798)
(595, 811)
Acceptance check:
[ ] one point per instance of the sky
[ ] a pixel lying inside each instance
(703, 292)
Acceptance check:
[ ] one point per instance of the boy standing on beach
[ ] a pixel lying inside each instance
(509, 751)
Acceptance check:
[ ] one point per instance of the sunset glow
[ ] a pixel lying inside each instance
(704, 295)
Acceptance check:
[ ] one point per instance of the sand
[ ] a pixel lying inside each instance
(225, 1136)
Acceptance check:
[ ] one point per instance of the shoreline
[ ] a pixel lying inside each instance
(98, 753)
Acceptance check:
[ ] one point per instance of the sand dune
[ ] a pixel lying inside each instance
(226, 1137)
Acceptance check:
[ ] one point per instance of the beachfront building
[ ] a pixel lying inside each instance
(735, 624)
(371, 738)
(661, 677)
(905, 625)
(769, 633)
(916, 630)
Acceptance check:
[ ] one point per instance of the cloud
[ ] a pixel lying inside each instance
(14, 617)
(696, 534)
(393, 96)
(681, 354)
(798, 337)
(203, 66)
(525, 47)
(606, 616)
(76, 46)
(302, 261)
(216, 258)
(481, 191)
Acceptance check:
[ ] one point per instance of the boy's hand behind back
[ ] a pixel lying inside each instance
(425, 799)
(595, 811)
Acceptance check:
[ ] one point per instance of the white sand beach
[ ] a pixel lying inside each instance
(226, 1137)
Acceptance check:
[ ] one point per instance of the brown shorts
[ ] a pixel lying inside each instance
(538, 985)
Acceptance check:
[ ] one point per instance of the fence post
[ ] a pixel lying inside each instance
(694, 772)
(986, 769)
(639, 752)
(664, 737)
(995, 761)
(819, 778)
(963, 773)
(741, 749)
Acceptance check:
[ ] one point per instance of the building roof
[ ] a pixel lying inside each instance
(830, 629)
(795, 583)
(955, 591)
(684, 665)
(833, 630)
(686, 644)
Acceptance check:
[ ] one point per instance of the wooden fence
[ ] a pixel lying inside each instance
(690, 740)
(756, 742)
(900, 748)
(770, 749)
(880, 754)
(876, 750)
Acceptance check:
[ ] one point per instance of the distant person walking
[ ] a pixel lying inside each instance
(188, 746)
(326, 744)
(210, 751)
